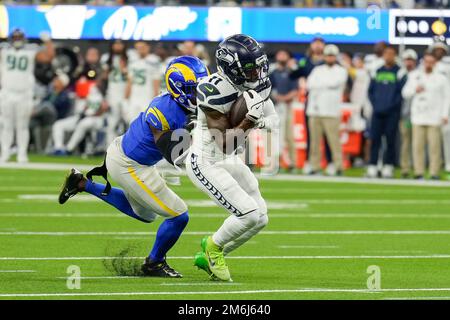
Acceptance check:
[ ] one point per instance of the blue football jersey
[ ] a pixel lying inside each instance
(164, 114)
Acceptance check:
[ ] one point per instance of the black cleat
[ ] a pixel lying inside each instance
(70, 186)
(159, 269)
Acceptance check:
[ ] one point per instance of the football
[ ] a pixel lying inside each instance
(237, 112)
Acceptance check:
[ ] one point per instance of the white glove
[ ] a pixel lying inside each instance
(261, 123)
(254, 104)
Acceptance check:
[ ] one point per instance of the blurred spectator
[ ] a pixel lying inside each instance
(386, 99)
(345, 59)
(144, 77)
(284, 92)
(375, 61)
(440, 51)
(361, 80)
(17, 84)
(362, 109)
(165, 55)
(326, 86)
(430, 94)
(90, 69)
(54, 106)
(87, 120)
(314, 57)
(190, 48)
(115, 73)
(409, 58)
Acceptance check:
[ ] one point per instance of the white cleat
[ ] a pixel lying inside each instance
(372, 172)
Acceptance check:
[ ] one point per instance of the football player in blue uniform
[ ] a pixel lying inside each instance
(130, 160)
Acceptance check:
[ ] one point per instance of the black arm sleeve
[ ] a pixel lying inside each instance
(166, 146)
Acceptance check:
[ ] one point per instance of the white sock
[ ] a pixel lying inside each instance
(234, 227)
(233, 245)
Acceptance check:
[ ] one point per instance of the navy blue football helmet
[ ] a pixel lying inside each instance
(17, 38)
(242, 60)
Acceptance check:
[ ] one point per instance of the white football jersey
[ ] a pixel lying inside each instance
(143, 72)
(17, 67)
(116, 80)
(93, 101)
(218, 93)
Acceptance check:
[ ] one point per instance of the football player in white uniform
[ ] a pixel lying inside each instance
(144, 76)
(213, 165)
(88, 118)
(17, 81)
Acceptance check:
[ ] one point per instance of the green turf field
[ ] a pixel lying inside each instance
(321, 239)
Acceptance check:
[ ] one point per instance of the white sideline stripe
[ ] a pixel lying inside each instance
(196, 233)
(17, 271)
(434, 256)
(222, 215)
(355, 180)
(148, 293)
(278, 177)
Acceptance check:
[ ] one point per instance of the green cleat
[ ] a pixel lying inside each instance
(215, 260)
(201, 262)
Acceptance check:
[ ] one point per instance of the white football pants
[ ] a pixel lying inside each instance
(114, 117)
(16, 109)
(231, 185)
(145, 189)
(79, 127)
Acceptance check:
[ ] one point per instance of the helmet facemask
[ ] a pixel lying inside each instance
(187, 94)
(255, 72)
(18, 39)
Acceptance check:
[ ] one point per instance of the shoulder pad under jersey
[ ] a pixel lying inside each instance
(158, 113)
(216, 93)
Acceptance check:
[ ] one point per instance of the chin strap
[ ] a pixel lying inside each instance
(101, 171)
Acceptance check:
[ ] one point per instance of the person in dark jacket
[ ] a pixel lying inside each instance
(385, 94)
(55, 104)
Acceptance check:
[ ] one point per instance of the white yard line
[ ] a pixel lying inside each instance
(196, 233)
(45, 166)
(286, 204)
(356, 180)
(311, 257)
(222, 215)
(17, 271)
(152, 293)
(279, 177)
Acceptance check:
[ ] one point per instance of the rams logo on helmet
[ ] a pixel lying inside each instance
(182, 76)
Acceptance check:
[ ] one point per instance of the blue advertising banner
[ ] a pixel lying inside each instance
(196, 23)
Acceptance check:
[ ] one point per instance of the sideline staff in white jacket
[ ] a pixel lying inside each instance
(326, 85)
(430, 94)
